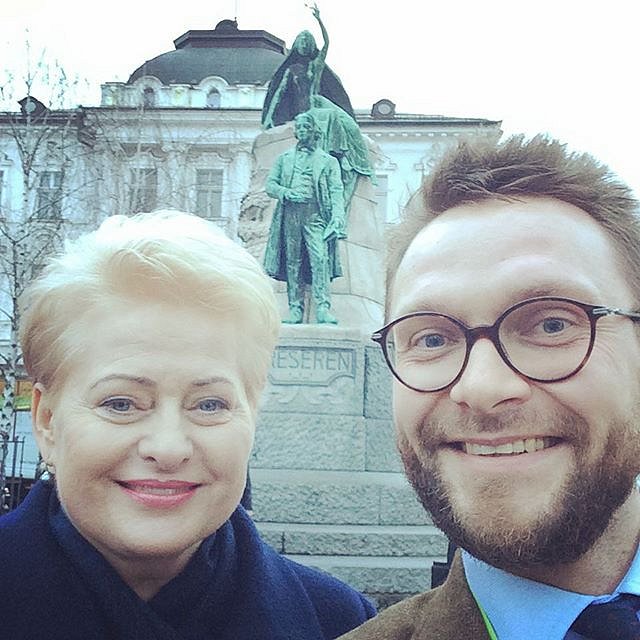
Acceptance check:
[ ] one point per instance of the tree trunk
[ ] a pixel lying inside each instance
(7, 416)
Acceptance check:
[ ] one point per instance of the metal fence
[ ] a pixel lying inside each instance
(20, 475)
(21, 465)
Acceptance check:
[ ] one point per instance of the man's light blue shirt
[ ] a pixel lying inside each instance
(521, 609)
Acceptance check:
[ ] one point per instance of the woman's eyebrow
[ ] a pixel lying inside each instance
(141, 380)
(213, 380)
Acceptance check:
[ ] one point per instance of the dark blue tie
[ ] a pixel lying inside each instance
(615, 620)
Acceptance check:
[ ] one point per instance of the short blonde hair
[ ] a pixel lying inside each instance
(163, 255)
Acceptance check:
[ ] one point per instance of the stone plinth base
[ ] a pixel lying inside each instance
(327, 404)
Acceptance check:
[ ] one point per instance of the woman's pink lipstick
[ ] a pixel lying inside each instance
(159, 494)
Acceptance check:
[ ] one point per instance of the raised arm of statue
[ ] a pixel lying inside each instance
(316, 66)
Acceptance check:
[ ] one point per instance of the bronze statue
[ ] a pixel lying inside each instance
(308, 220)
(302, 75)
(304, 82)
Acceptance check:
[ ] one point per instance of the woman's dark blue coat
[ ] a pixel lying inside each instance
(56, 586)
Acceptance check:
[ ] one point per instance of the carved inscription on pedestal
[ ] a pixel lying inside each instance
(311, 366)
(315, 379)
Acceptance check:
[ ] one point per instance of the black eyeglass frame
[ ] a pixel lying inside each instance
(491, 332)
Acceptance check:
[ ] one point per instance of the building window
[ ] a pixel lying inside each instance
(144, 190)
(213, 99)
(209, 193)
(148, 98)
(49, 196)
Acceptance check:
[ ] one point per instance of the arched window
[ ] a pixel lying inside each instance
(148, 97)
(213, 99)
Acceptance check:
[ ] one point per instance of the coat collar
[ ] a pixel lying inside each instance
(453, 612)
(448, 612)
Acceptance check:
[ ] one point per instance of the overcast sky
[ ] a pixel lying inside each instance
(566, 67)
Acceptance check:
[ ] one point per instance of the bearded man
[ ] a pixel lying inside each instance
(513, 290)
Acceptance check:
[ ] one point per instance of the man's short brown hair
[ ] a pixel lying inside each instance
(540, 167)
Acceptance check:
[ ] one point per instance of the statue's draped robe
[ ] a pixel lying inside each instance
(295, 90)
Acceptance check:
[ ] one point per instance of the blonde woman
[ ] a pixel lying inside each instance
(149, 342)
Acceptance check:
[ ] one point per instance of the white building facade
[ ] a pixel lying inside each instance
(180, 133)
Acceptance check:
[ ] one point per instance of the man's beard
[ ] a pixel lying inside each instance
(560, 533)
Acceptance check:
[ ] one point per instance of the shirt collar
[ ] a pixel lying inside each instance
(522, 609)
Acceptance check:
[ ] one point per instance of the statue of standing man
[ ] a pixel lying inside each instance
(308, 220)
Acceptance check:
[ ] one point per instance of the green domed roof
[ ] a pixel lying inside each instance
(238, 56)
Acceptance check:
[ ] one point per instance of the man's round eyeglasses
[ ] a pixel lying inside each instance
(545, 339)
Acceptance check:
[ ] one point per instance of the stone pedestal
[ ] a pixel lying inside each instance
(327, 405)
(312, 416)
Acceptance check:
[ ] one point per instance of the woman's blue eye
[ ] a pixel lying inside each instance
(121, 405)
(553, 325)
(211, 404)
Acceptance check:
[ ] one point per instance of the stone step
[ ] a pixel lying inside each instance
(376, 575)
(334, 497)
(355, 540)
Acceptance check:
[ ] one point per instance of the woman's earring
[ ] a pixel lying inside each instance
(47, 469)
